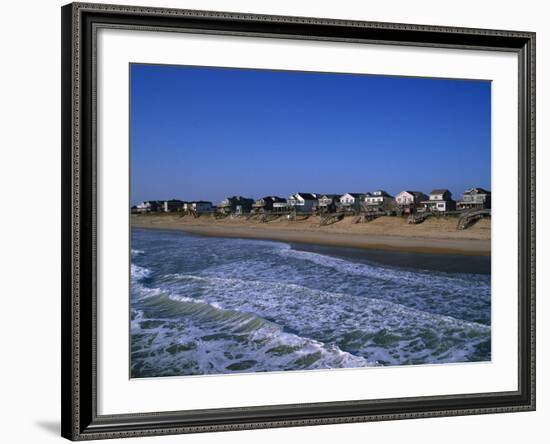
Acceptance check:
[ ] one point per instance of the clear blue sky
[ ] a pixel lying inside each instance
(206, 133)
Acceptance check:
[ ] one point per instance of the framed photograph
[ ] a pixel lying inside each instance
(282, 221)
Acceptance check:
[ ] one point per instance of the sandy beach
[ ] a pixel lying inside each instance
(435, 235)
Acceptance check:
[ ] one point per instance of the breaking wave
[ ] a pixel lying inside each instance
(209, 306)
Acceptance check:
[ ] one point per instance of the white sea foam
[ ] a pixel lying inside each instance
(380, 272)
(209, 340)
(138, 272)
(222, 305)
(442, 293)
(375, 329)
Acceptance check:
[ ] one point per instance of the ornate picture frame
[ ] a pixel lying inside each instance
(80, 418)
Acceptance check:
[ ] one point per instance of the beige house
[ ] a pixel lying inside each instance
(410, 201)
(352, 201)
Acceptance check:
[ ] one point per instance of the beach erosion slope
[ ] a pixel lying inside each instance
(435, 235)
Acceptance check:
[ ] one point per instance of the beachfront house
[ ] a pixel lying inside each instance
(303, 202)
(410, 201)
(475, 198)
(168, 206)
(266, 204)
(440, 200)
(148, 206)
(281, 206)
(235, 205)
(328, 203)
(378, 200)
(352, 201)
(198, 206)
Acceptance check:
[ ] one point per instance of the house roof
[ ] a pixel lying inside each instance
(477, 190)
(272, 199)
(242, 198)
(416, 194)
(439, 191)
(151, 202)
(238, 199)
(379, 193)
(306, 196)
(355, 194)
(200, 202)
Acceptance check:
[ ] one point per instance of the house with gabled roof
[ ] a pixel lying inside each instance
(266, 203)
(378, 200)
(235, 205)
(198, 206)
(478, 198)
(303, 202)
(352, 201)
(149, 206)
(410, 201)
(440, 200)
(327, 203)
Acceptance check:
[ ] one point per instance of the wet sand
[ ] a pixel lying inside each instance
(436, 235)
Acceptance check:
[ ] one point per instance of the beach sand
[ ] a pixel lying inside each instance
(435, 235)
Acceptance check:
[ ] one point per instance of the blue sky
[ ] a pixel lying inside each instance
(206, 133)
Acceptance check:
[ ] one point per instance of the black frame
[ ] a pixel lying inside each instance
(79, 413)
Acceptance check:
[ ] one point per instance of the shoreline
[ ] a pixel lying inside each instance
(312, 236)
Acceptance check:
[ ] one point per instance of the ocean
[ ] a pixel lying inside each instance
(207, 305)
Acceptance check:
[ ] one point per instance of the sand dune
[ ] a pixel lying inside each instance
(433, 235)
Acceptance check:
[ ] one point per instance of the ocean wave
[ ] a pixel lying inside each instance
(380, 272)
(256, 287)
(207, 305)
(375, 329)
(464, 297)
(138, 273)
(190, 337)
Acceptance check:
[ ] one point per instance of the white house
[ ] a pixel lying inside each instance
(352, 201)
(378, 200)
(148, 206)
(303, 202)
(410, 201)
(440, 200)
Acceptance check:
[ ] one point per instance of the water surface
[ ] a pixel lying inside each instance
(206, 305)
